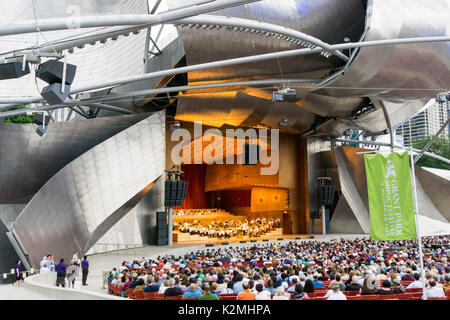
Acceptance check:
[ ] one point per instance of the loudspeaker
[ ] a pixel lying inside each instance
(242, 241)
(161, 229)
(39, 119)
(252, 240)
(52, 72)
(209, 245)
(225, 243)
(265, 240)
(326, 194)
(280, 239)
(53, 95)
(41, 130)
(13, 70)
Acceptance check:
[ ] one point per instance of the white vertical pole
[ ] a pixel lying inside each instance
(63, 84)
(324, 225)
(416, 213)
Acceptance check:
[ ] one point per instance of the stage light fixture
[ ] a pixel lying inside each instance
(175, 126)
(284, 95)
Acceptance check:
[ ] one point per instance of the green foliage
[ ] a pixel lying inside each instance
(440, 147)
(23, 118)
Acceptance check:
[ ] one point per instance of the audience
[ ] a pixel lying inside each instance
(294, 270)
(207, 295)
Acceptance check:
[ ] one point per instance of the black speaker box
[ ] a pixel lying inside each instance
(52, 72)
(39, 119)
(161, 229)
(13, 70)
(53, 95)
(41, 130)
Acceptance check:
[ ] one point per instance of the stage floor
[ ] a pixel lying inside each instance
(247, 239)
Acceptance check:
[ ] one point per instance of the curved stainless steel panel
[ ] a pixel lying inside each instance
(90, 195)
(240, 109)
(311, 17)
(351, 191)
(8, 255)
(400, 72)
(27, 160)
(437, 189)
(344, 220)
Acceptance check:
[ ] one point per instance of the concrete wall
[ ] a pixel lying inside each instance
(42, 286)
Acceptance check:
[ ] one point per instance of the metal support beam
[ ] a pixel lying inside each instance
(389, 124)
(228, 62)
(43, 25)
(374, 143)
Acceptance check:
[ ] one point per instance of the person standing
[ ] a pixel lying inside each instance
(44, 265)
(18, 273)
(61, 274)
(76, 262)
(85, 269)
(71, 274)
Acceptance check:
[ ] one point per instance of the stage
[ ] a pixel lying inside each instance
(268, 237)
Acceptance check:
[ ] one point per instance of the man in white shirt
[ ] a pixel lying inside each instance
(335, 293)
(417, 283)
(434, 291)
(261, 293)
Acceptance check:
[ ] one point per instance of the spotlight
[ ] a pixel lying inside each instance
(283, 122)
(175, 126)
(42, 121)
(13, 70)
(284, 95)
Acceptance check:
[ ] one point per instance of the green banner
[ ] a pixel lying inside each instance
(390, 196)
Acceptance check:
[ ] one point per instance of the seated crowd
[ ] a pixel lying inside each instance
(298, 270)
(230, 228)
(197, 212)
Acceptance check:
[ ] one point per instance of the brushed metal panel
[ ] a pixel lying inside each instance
(91, 194)
(311, 17)
(350, 190)
(399, 72)
(344, 220)
(8, 256)
(27, 160)
(437, 189)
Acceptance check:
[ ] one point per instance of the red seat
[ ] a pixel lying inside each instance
(189, 298)
(414, 290)
(319, 298)
(403, 296)
(160, 296)
(436, 298)
(354, 298)
(174, 298)
(150, 295)
(447, 293)
(228, 297)
(139, 294)
(369, 297)
(386, 296)
(350, 293)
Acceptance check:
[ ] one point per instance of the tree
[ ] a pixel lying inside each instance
(440, 147)
(20, 118)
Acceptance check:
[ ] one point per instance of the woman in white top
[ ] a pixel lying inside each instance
(262, 294)
(280, 294)
(164, 286)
